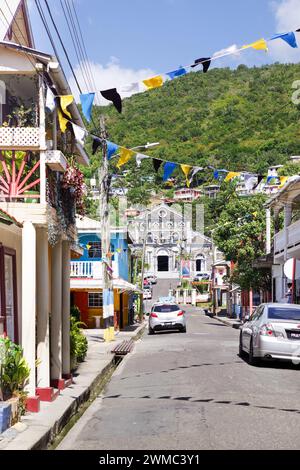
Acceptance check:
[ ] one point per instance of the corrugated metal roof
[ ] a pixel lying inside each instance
(8, 219)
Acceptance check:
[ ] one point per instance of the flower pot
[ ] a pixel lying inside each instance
(5, 414)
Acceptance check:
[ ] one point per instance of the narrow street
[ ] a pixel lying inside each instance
(192, 391)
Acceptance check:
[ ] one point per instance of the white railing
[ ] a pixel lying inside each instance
(90, 269)
(23, 137)
(293, 237)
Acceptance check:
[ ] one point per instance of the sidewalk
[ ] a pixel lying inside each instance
(37, 430)
(233, 322)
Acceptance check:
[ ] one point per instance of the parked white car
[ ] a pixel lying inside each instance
(272, 332)
(147, 294)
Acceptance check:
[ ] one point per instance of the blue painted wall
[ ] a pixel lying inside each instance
(117, 241)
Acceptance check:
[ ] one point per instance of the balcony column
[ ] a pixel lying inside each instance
(66, 309)
(42, 140)
(56, 314)
(42, 283)
(268, 231)
(287, 222)
(29, 302)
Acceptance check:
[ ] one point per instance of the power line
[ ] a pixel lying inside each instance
(83, 72)
(63, 46)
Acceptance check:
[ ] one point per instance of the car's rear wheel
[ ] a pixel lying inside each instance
(151, 331)
(253, 361)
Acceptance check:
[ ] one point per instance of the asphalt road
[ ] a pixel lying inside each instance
(192, 392)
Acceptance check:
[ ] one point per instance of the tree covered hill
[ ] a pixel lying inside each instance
(241, 119)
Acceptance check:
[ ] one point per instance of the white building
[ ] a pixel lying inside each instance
(168, 237)
(35, 246)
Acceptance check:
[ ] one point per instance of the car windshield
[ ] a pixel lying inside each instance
(166, 308)
(282, 313)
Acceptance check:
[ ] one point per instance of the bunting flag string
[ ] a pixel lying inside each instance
(158, 80)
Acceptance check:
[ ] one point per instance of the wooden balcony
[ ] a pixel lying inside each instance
(20, 138)
(291, 239)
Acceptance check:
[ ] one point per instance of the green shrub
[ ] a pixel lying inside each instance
(78, 341)
(75, 312)
(14, 370)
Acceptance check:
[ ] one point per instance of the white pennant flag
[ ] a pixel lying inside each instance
(195, 171)
(50, 101)
(139, 157)
(250, 181)
(131, 88)
(79, 133)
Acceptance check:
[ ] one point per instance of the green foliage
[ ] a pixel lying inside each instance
(78, 341)
(14, 370)
(75, 313)
(240, 235)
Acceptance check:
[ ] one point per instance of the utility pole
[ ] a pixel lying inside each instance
(104, 186)
(143, 264)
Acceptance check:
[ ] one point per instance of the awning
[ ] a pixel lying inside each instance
(90, 283)
(7, 219)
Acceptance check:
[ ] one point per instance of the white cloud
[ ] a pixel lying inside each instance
(111, 75)
(287, 18)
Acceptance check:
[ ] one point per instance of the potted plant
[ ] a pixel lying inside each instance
(14, 374)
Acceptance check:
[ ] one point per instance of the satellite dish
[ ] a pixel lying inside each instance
(289, 266)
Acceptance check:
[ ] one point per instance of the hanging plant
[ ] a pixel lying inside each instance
(73, 180)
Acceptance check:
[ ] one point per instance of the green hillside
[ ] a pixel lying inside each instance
(226, 118)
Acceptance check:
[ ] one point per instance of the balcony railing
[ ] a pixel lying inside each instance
(293, 237)
(25, 138)
(90, 269)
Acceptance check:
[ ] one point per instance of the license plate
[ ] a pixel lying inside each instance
(295, 335)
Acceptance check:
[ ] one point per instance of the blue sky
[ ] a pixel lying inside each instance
(129, 39)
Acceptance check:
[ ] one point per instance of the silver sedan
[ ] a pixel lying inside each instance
(272, 332)
(166, 316)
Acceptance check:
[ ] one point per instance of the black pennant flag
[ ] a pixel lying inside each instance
(205, 61)
(96, 144)
(113, 95)
(156, 164)
(259, 180)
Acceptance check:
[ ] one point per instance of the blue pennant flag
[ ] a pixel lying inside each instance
(220, 174)
(111, 149)
(290, 38)
(87, 101)
(169, 167)
(177, 73)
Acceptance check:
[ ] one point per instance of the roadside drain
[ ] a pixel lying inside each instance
(75, 414)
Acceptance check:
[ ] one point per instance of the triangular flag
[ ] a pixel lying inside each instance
(205, 61)
(154, 82)
(65, 101)
(260, 45)
(290, 38)
(79, 133)
(50, 100)
(176, 73)
(131, 88)
(169, 167)
(259, 180)
(111, 149)
(113, 95)
(87, 101)
(283, 180)
(250, 181)
(195, 171)
(139, 157)
(156, 164)
(96, 144)
(186, 170)
(231, 175)
(125, 156)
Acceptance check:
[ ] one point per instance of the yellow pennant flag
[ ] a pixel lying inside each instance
(283, 180)
(154, 82)
(186, 170)
(125, 156)
(65, 101)
(260, 45)
(231, 175)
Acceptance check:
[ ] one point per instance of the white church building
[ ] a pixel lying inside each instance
(167, 237)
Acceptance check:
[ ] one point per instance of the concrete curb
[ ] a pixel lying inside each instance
(227, 322)
(34, 432)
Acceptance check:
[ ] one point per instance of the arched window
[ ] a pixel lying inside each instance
(174, 237)
(149, 238)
